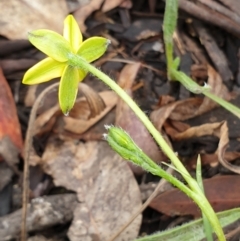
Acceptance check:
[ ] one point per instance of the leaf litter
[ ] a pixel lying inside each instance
(87, 169)
(105, 187)
(221, 191)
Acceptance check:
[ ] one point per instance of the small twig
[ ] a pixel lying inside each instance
(210, 16)
(221, 9)
(27, 150)
(128, 61)
(161, 183)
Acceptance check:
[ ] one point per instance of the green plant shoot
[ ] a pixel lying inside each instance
(70, 57)
(169, 26)
(60, 49)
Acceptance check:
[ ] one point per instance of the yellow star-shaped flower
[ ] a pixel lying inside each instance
(61, 51)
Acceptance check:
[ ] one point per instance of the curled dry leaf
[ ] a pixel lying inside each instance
(105, 5)
(202, 130)
(127, 119)
(33, 15)
(80, 118)
(95, 102)
(220, 130)
(106, 188)
(189, 108)
(222, 146)
(79, 126)
(221, 191)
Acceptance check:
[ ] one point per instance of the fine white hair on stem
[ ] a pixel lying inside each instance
(107, 127)
(105, 136)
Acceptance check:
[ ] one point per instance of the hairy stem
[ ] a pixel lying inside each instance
(197, 194)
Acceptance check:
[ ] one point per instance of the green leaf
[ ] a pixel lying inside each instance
(72, 33)
(68, 88)
(93, 48)
(188, 83)
(192, 231)
(43, 71)
(225, 104)
(169, 25)
(170, 19)
(51, 43)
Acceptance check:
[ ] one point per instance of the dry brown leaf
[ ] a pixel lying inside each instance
(188, 107)
(179, 126)
(222, 146)
(78, 126)
(9, 123)
(220, 130)
(11, 143)
(95, 102)
(197, 131)
(127, 119)
(20, 17)
(221, 191)
(172, 128)
(80, 118)
(212, 159)
(111, 4)
(106, 188)
(45, 122)
(105, 5)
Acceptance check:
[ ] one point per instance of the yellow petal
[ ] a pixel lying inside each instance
(43, 71)
(68, 88)
(72, 33)
(82, 74)
(51, 43)
(93, 48)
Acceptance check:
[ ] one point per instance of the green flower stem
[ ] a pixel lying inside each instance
(206, 223)
(78, 61)
(225, 104)
(202, 202)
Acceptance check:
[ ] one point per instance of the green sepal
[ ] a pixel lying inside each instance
(93, 48)
(45, 70)
(68, 88)
(122, 143)
(121, 138)
(51, 43)
(72, 33)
